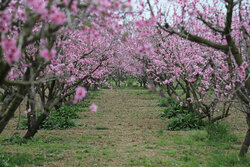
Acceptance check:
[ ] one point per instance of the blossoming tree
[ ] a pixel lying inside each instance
(37, 51)
(220, 28)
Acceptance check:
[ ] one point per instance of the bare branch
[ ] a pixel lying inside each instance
(150, 8)
(209, 24)
(195, 38)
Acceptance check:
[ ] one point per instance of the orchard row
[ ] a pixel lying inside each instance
(199, 52)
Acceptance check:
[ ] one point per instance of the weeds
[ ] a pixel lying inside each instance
(218, 132)
(20, 159)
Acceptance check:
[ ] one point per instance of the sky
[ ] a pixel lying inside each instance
(164, 4)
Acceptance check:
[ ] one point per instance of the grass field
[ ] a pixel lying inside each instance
(126, 131)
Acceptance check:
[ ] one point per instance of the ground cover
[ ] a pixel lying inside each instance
(126, 131)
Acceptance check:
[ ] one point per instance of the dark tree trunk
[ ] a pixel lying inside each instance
(116, 84)
(246, 143)
(140, 83)
(144, 84)
(35, 124)
(9, 113)
(6, 93)
(32, 114)
(119, 83)
(32, 131)
(190, 105)
(162, 94)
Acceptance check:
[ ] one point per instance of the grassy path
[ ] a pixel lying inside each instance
(124, 132)
(124, 129)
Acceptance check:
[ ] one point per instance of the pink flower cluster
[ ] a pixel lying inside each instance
(38, 6)
(11, 53)
(242, 70)
(5, 21)
(73, 6)
(48, 55)
(80, 94)
(54, 15)
(27, 111)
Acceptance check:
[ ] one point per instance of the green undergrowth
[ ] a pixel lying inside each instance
(219, 158)
(179, 116)
(16, 151)
(220, 133)
(196, 148)
(63, 118)
(101, 128)
(20, 159)
(204, 144)
(58, 119)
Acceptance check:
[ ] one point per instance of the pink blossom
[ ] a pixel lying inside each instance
(151, 87)
(80, 94)
(93, 108)
(244, 65)
(228, 87)
(45, 54)
(22, 15)
(181, 103)
(66, 2)
(242, 70)
(190, 100)
(38, 6)
(74, 6)
(27, 111)
(48, 55)
(11, 52)
(56, 16)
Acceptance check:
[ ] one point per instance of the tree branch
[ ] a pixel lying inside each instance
(209, 24)
(197, 39)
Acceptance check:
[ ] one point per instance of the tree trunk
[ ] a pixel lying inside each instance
(32, 131)
(144, 84)
(116, 82)
(119, 83)
(140, 83)
(190, 105)
(162, 94)
(9, 112)
(246, 143)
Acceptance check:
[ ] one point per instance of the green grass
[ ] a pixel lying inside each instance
(143, 93)
(220, 133)
(149, 162)
(101, 128)
(93, 94)
(20, 159)
(220, 159)
(198, 148)
(191, 148)
(92, 145)
(132, 151)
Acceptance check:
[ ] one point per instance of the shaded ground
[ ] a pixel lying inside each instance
(124, 132)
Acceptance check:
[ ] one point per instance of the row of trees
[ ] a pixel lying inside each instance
(198, 51)
(49, 49)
